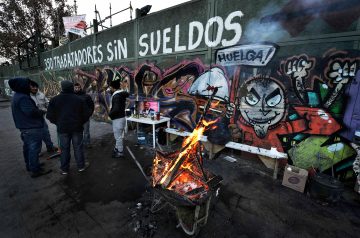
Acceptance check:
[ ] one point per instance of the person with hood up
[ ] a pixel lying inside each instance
(29, 119)
(117, 115)
(69, 112)
(89, 102)
(42, 103)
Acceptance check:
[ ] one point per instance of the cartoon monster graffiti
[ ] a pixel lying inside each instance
(261, 108)
(338, 72)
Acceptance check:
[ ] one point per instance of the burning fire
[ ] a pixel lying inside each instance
(182, 171)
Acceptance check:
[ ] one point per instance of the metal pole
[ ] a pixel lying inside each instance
(95, 13)
(110, 16)
(138, 164)
(75, 7)
(131, 9)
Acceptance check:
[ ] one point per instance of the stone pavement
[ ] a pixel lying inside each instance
(101, 201)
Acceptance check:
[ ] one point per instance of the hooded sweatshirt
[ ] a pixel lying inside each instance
(67, 110)
(25, 113)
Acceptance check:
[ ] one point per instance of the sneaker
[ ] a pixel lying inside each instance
(40, 173)
(62, 172)
(117, 154)
(87, 164)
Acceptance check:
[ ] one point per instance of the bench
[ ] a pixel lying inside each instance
(213, 148)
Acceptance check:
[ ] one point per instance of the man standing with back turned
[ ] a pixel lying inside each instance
(30, 121)
(69, 112)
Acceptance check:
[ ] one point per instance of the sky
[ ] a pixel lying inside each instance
(88, 7)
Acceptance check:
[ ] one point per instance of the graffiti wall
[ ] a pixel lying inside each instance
(287, 72)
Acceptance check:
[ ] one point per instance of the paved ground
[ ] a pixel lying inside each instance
(111, 199)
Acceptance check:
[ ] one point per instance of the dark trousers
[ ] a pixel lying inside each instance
(47, 137)
(32, 139)
(76, 139)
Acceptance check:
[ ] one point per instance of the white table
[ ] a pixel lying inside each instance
(147, 120)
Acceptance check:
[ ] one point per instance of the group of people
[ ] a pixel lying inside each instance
(70, 111)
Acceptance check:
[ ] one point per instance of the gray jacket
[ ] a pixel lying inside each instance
(40, 100)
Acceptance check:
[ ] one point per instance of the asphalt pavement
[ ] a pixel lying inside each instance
(112, 198)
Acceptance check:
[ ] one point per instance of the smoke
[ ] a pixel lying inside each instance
(266, 26)
(256, 31)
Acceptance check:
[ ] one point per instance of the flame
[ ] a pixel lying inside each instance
(182, 171)
(190, 145)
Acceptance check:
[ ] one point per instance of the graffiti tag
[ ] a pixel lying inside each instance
(253, 55)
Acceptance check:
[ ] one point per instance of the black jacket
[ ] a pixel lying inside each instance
(25, 113)
(88, 100)
(118, 103)
(68, 112)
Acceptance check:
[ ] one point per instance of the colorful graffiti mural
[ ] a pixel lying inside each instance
(294, 104)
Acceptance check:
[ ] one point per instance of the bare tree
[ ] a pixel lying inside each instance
(21, 19)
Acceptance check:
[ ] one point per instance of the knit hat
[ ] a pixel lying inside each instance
(67, 86)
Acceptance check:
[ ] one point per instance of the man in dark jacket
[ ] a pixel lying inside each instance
(117, 115)
(69, 112)
(89, 102)
(30, 121)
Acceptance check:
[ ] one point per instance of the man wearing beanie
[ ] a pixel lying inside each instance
(30, 121)
(69, 112)
(117, 115)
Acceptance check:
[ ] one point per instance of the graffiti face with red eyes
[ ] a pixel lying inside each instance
(262, 104)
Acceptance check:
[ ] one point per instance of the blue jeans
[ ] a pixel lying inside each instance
(86, 140)
(65, 140)
(46, 136)
(32, 139)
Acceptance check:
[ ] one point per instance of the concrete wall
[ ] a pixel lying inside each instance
(288, 71)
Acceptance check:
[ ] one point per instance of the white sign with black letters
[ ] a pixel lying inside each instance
(254, 55)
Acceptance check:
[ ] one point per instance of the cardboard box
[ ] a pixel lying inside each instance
(295, 178)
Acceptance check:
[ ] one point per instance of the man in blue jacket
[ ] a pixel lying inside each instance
(69, 112)
(30, 121)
